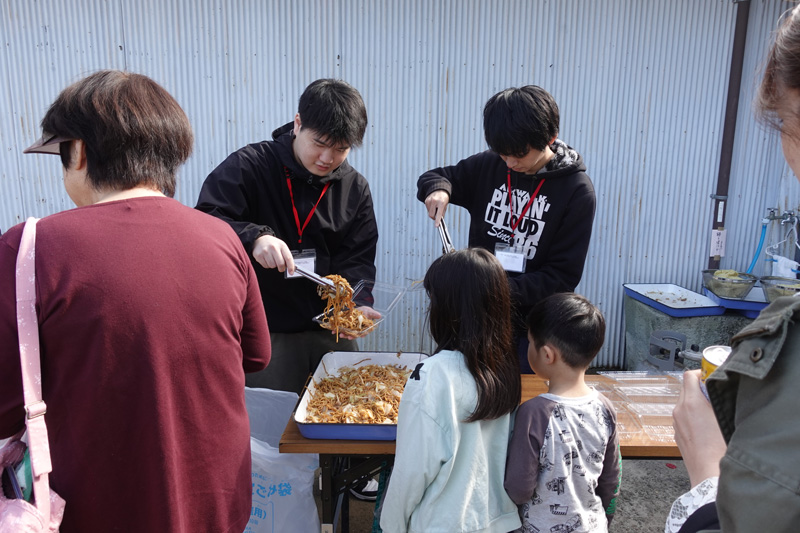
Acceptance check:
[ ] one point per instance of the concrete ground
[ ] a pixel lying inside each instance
(649, 486)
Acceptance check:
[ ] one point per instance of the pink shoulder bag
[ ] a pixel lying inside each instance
(17, 515)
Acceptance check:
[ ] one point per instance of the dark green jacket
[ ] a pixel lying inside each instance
(756, 398)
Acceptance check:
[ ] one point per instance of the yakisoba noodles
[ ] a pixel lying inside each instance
(340, 311)
(368, 394)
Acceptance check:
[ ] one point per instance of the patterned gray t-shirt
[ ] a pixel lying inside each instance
(563, 466)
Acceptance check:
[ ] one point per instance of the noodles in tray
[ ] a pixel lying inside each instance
(340, 311)
(368, 394)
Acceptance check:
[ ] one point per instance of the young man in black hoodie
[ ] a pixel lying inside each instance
(528, 196)
(298, 193)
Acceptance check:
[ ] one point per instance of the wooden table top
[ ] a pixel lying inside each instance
(636, 445)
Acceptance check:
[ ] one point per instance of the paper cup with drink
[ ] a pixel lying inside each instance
(713, 356)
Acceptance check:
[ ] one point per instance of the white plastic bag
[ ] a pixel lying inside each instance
(283, 498)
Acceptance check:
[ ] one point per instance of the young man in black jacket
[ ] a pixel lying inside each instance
(297, 193)
(528, 196)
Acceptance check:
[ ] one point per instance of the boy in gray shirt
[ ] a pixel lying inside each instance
(563, 466)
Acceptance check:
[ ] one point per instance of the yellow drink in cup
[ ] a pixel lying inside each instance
(713, 356)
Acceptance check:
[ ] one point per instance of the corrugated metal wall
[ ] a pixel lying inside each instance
(760, 178)
(641, 87)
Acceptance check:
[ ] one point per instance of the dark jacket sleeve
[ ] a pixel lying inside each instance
(563, 268)
(228, 191)
(453, 179)
(611, 476)
(11, 398)
(354, 257)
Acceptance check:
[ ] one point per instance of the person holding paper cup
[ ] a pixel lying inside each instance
(740, 444)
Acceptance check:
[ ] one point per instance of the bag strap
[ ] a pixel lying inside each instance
(28, 328)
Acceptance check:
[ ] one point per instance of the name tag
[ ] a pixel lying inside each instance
(511, 257)
(306, 259)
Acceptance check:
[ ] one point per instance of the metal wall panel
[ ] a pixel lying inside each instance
(48, 45)
(759, 179)
(641, 87)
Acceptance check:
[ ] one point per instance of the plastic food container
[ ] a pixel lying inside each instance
(654, 410)
(614, 397)
(329, 366)
(382, 297)
(600, 386)
(656, 420)
(732, 288)
(638, 378)
(627, 422)
(661, 433)
(650, 393)
(677, 375)
(775, 287)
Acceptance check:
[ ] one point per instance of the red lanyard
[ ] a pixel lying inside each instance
(515, 222)
(300, 229)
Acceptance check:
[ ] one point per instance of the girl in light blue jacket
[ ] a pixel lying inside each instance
(455, 413)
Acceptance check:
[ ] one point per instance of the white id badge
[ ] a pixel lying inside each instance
(306, 259)
(511, 257)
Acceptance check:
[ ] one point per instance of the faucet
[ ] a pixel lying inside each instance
(787, 217)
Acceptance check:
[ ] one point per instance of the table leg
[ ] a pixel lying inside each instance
(345, 510)
(326, 494)
(338, 476)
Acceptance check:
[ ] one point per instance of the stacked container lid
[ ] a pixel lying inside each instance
(643, 401)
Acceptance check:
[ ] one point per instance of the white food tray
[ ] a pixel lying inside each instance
(329, 366)
(673, 300)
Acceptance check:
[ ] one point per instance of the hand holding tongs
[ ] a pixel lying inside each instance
(313, 276)
(447, 243)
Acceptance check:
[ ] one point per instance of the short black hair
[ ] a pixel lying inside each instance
(570, 323)
(335, 110)
(518, 119)
(134, 132)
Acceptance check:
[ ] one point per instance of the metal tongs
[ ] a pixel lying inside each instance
(447, 243)
(316, 278)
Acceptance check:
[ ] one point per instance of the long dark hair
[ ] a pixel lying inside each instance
(470, 311)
